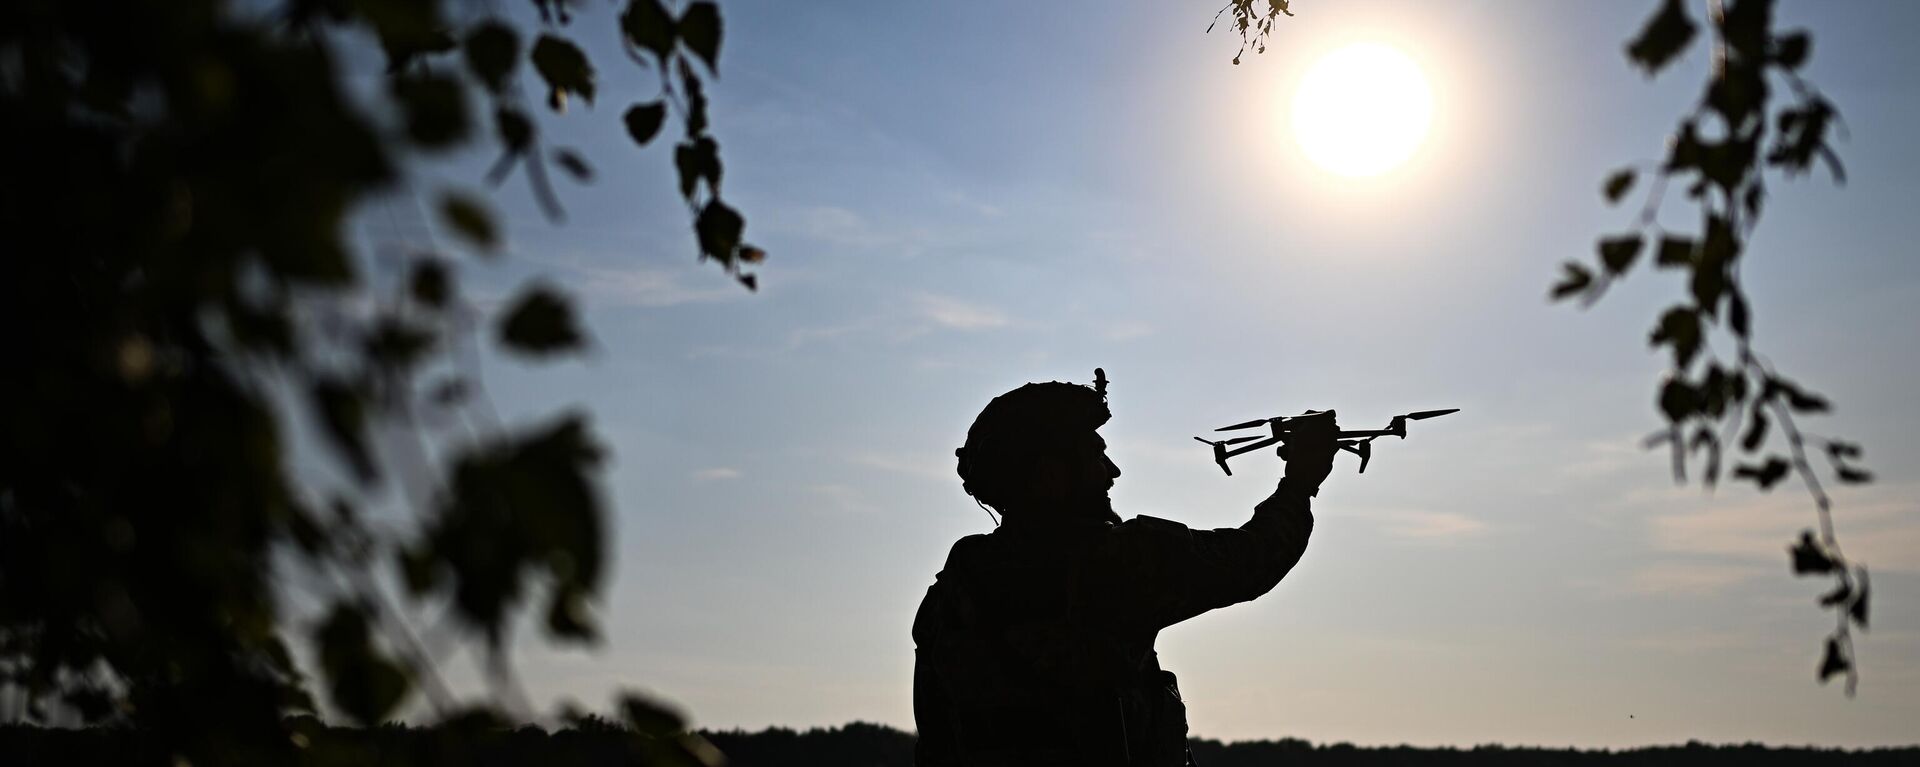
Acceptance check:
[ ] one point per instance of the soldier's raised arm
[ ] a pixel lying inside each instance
(1175, 573)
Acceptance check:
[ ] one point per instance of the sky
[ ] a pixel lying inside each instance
(959, 198)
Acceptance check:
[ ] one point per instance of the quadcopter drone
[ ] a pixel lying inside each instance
(1359, 443)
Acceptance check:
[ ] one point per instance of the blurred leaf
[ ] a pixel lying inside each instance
(564, 67)
(1838, 596)
(1834, 662)
(647, 25)
(541, 323)
(1858, 612)
(514, 128)
(518, 506)
(1737, 316)
(1618, 253)
(752, 255)
(697, 160)
(575, 165)
(1665, 35)
(1809, 557)
(1764, 475)
(1618, 184)
(1576, 279)
(1790, 50)
(365, 685)
(1675, 251)
(1678, 400)
(1853, 476)
(700, 31)
(469, 220)
(430, 284)
(644, 120)
(650, 717)
(719, 228)
(1680, 328)
(397, 345)
(343, 418)
(493, 50)
(1756, 431)
(435, 109)
(1837, 449)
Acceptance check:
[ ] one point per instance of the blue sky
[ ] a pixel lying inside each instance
(962, 197)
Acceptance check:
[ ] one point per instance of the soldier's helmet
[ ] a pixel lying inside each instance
(1020, 425)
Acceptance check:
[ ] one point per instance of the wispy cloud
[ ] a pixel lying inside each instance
(921, 467)
(955, 314)
(1427, 527)
(648, 288)
(716, 474)
(1882, 530)
(1690, 579)
(842, 497)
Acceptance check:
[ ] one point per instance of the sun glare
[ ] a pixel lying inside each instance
(1362, 110)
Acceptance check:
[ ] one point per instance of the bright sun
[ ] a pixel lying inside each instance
(1362, 110)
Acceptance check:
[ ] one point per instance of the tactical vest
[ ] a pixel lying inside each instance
(1015, 669)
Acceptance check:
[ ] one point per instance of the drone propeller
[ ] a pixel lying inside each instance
(1245, 425)
(1425, 414)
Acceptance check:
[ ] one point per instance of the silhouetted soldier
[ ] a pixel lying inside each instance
(1035, 643)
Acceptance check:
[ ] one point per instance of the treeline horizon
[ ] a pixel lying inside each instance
(596, 741)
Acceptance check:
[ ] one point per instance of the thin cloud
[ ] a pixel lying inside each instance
(1690, 579)
(955, 314)
(646, 288)
(716, 474)
(1884, 534)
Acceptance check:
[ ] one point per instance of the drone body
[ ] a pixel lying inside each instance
(1359, 442)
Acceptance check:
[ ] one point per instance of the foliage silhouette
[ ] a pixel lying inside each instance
(599, 742)
(184, 304)
(1722, 151)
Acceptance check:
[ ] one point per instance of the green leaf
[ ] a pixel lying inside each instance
(1576, 279)
(647, 25)
(493, 50)
(540, 323)
(1665, 35)
(1618, 184)
(644, 121)
(565, 69)
(1763, 475)
(1809, 556)
(1618, 253)
(469, 220)
(700, 31)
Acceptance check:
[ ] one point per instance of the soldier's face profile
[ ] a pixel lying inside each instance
(1078, 475)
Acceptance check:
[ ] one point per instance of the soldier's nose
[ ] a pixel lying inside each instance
(1113, 469)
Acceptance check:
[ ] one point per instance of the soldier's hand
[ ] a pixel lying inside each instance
(1310, 449)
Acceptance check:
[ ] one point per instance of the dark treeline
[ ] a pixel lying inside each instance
(855, 745)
